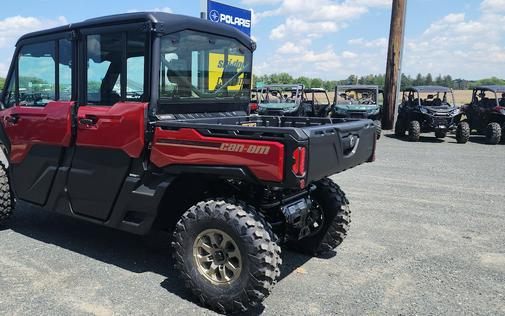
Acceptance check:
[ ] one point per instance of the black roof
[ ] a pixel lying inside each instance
(428, 89)
(163, 22)
(492, 88)
(358, 87)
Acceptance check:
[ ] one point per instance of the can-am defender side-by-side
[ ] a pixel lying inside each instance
(426, 109)
(138, 121)
(358, 101)
(485, 115)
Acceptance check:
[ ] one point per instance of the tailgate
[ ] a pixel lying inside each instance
(337, 147)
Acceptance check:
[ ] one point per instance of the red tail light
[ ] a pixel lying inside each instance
(299, 157)
(253, 106)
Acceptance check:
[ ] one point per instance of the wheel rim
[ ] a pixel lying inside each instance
(217, 257)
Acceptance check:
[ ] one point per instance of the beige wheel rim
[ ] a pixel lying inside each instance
(217, 257)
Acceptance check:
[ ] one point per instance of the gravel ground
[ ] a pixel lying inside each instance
(428, 237)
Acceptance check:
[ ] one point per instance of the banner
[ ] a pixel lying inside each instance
(227, 14)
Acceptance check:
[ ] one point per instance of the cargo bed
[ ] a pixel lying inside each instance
(332, 145)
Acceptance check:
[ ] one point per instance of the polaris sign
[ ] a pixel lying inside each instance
(226, 14)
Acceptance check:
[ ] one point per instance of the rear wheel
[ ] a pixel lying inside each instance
(378, 128)
(440, 134)
(6, 201)
(399, 129)
(226, 255)
(414, 131)
(331, 220)
(463, 132)
(493, 133)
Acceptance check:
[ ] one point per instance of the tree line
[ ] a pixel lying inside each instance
(373, 79)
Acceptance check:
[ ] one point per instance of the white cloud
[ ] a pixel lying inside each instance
(468, 48)
(12, 28)
(376, 43)
(371, 3)
(260, 2)
(160, 9)
(296, 27)
(493, 6)
(301, 33)
(289, 48)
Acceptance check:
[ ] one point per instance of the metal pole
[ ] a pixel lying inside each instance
(203, 8)
(394, 60)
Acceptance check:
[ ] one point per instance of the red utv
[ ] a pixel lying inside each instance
(138, 121)
(485, 115)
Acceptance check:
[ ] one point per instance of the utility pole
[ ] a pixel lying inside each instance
(394, 62)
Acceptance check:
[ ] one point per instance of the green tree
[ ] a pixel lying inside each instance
(303, 80)
(2, 83)
(419, 80)
(429, 80)
(316, 83)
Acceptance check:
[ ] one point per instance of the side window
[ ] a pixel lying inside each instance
(36, 67)
(65, 69)
(107, 63)
(135, 66)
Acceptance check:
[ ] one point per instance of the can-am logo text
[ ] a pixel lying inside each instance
(215, 16)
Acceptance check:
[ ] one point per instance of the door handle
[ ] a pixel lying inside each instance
(88, 120)
(12, 119)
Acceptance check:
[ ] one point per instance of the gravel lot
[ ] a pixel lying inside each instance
(428, 237)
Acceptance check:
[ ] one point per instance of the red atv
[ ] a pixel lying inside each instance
(138, 121)
(485, 114)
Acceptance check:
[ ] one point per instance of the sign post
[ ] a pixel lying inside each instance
(227, 14)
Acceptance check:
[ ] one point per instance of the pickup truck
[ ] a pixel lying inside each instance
(138, 121)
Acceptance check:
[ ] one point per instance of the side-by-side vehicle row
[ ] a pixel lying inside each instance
(350, 102)
(428, 109)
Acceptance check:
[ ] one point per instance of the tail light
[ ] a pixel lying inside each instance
(299, 157)
(253, 106)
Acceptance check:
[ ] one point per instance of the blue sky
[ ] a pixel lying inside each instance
(330, 39)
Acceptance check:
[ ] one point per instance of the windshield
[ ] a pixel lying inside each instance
(356, 96)
(431, 99)
(199, 67)
(280, 96)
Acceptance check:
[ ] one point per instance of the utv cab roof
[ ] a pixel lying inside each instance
(314, 90)
(357, 87)
(282, 86)
(160, 22)
(428, 89)
(492, 88)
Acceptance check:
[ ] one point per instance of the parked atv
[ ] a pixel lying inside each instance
(280, 99)
(426, 109)
(485, 115)
(116, 122)
(290, 100)
(358, 101)
(316, 102)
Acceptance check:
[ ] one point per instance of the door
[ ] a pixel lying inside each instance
(110, 120)
(37, 116)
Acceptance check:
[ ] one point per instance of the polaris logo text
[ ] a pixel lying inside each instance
(241, 148)
(228, 19)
